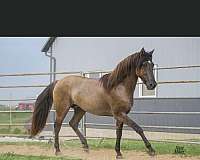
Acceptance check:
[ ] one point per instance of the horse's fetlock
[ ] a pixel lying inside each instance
(56, 145)
(148, 145)
(117, 148)
(73, 125)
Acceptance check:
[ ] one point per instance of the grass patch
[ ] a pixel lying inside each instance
(12, 156)
(137, 145)
(40, 144)
(13, 130)
(16, 117)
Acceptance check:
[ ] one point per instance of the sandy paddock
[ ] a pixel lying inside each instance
(100, 154)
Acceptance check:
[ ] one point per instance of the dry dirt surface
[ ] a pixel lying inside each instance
(100, 154)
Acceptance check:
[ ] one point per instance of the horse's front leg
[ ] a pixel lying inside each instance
(122, 117)
(119, 126)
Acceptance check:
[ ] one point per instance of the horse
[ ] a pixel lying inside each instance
(111, 95)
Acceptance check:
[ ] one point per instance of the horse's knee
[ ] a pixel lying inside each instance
(119, 132)
(72, 124)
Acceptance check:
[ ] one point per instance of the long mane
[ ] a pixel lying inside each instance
(122, 70)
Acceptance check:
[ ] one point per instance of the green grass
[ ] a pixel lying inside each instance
(12, 156)
(136, 145)
(13, 130)
(15, 117)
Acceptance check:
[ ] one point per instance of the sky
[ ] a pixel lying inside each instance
(22, 55)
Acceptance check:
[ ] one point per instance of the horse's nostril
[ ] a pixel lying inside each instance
(152, 85)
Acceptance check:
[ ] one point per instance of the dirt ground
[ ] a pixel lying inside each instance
(101, 154)
(110, 133)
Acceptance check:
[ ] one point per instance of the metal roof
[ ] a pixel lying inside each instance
(48, 44)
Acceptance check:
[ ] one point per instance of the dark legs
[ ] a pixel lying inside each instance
(78, 114)
(122, 117)
(57, 125)
(119, 126)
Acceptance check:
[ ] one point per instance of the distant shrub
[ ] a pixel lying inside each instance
(5, 130)
(17, 131)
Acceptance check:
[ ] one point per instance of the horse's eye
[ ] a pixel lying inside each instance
(144, 64)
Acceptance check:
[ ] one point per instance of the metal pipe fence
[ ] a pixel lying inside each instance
(86, 72)
(159, 82)
(84, 124)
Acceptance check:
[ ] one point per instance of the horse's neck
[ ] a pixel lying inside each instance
(130, 84)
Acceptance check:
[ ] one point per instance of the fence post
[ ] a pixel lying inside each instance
(83, 120)
(54, 119)
(83, 126)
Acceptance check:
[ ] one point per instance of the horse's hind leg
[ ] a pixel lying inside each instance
(78, 114)
(61, 111)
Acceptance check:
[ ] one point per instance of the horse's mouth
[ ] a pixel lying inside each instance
(151, 88)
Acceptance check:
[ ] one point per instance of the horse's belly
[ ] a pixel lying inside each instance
(98, 110)
(91, 97)
(92, 104)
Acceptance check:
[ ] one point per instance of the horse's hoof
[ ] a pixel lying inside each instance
(86, 149)
(57, 153)
(152, 152)
(119, 157)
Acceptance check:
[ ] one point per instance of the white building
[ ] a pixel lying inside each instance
(103, 54)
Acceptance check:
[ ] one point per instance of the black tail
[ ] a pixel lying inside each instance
(43, 105)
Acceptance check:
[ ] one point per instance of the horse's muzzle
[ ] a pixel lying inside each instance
(151, 85)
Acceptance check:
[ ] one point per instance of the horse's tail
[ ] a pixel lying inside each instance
(42, 107)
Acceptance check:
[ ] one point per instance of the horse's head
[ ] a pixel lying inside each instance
(144, 69)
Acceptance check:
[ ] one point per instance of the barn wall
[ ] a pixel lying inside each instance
(85, 54)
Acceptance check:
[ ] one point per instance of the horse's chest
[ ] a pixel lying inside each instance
(121, 100)
(120, 95)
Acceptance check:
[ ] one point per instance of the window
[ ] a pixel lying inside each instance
(95, 75)
(143, 91)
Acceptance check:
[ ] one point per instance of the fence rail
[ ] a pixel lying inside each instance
(84, 124)
(112, 125)
(81, 72)
(37, 74)
(158, 127)
(159, 82)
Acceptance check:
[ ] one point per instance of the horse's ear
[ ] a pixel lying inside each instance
(151, 52)
(142, 50)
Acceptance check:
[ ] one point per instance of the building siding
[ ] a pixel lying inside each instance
(89, 54)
